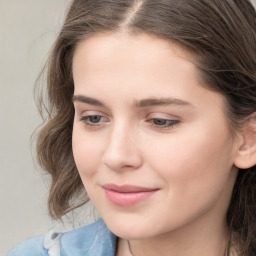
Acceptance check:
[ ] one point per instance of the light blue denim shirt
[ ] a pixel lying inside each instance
(92, 240)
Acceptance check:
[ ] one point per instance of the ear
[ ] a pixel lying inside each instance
(246, 153)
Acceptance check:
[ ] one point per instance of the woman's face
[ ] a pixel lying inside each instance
(152, 146)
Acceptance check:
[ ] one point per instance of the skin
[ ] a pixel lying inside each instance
(117, 140)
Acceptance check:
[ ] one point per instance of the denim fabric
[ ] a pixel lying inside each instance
(92, 240)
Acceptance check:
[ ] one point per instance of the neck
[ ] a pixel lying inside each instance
(198, 239)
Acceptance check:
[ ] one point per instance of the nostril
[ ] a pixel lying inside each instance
(121, 163)
(121, 153)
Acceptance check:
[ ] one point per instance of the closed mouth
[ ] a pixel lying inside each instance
(127, 195)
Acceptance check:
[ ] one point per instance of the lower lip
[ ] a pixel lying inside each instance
(128, 199)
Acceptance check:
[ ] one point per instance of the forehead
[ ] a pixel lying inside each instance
(142, 56)
(123, 44)
(129, 67)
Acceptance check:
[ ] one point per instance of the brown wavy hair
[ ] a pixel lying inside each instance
(221, 35)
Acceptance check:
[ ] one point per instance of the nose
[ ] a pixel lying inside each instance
(121, 152)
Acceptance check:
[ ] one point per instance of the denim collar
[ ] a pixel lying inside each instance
(92, 240)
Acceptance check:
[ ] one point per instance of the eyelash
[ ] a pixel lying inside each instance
(158, 123)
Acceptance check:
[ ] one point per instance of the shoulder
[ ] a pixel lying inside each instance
(94, 240)
(31, 247)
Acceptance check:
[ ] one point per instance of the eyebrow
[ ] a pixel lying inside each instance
(161, 102)
(87, 100)
(138, 103)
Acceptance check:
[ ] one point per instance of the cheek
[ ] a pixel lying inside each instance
(87, 152)
(193, 162)
(195, 171)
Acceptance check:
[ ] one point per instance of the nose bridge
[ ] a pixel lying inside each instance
(121, 151)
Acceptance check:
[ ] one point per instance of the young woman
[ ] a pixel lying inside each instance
(152, 111)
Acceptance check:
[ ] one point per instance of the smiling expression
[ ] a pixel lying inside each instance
(152, 146)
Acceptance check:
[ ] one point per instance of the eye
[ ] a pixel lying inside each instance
(94, 120)
(163, 123)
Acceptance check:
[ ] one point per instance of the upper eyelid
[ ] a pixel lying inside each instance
(163, 116)
(91, 113)
(83, 106)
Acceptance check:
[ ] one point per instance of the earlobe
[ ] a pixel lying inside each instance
(246, 153)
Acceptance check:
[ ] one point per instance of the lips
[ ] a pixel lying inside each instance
(127, 195)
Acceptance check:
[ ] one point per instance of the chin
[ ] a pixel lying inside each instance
(130, 227)
(129, 232)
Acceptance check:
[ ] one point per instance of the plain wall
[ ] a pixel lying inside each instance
(27, 31)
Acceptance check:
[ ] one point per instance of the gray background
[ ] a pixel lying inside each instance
(27, 31)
